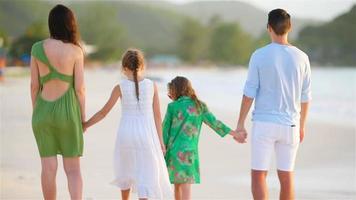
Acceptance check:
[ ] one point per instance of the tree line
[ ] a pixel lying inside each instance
(113, 28)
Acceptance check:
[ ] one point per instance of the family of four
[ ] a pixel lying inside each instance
(150, 156)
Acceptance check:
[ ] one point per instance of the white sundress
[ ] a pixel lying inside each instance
(138, 159)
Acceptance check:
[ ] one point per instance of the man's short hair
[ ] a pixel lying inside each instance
(279, 21)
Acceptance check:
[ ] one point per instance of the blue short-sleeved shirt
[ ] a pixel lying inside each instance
(279, 81)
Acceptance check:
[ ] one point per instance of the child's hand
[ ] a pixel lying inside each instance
(233, 133)
(240, 137)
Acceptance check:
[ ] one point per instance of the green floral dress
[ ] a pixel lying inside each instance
(181, 130)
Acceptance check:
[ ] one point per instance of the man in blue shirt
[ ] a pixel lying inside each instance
(279, 82)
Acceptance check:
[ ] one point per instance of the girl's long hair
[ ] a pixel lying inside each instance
(132, 60)
(181, 86)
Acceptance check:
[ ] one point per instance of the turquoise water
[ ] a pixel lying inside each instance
(334, 95)
(333, 90)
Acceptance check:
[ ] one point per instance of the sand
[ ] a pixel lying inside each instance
(325, 167)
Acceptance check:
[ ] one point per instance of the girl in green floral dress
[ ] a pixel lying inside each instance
(181, 130)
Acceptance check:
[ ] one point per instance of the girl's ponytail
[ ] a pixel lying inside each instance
(136, 84)
(132, 60)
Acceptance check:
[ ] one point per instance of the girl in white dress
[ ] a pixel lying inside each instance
(138, 158)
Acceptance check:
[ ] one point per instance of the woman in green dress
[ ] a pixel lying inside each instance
(181, 130)
(57, 92)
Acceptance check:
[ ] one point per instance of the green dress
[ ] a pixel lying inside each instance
(57, 124)
(181, 130)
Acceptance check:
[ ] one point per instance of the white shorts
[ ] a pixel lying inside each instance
(269, 137)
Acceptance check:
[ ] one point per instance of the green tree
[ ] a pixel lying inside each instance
(333, 42)
(4, 40)
(98, 26)
(230, 45)
(16, 15)
(192, 41)
(262, 40)
(22, 45)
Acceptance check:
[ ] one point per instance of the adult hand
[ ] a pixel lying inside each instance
(241, 128)
(242, 136)
(242, 132)
(301, 134)
(239, 137)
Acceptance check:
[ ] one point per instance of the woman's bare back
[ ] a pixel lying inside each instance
(63, 57)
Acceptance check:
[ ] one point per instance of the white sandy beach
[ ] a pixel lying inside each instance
(325, 168)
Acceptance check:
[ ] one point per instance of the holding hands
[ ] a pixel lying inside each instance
(239, 135)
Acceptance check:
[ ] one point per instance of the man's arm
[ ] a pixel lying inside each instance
(303, 117)
(250, 91)
(305, 99)
(244, 109)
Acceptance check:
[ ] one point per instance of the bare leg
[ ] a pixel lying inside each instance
(186, 191)
(125, 194)
(287, 185)
(48, 177)
(178, 191)
(259, 185)
(74, 177)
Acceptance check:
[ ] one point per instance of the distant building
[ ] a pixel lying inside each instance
(88, 49)
(164, 60)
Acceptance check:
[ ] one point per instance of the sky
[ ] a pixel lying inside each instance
(312, 9)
